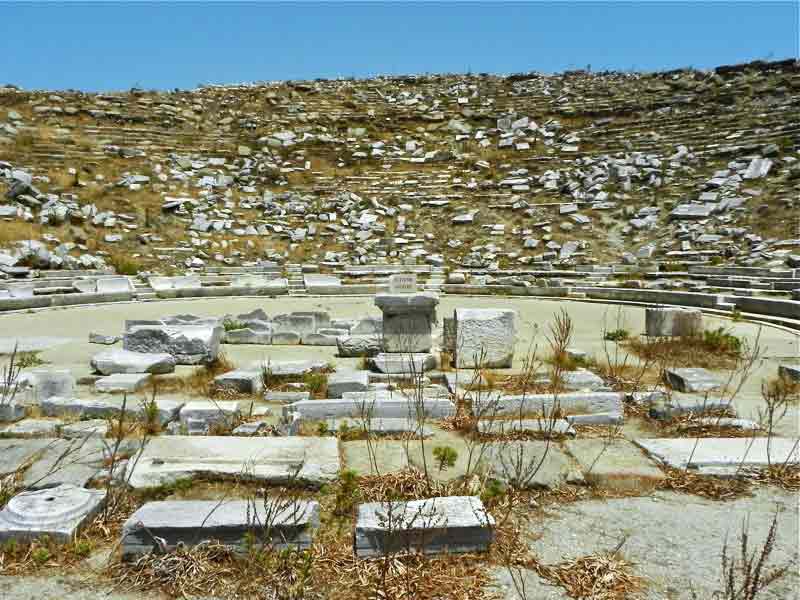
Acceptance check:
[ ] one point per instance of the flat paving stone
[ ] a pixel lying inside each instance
(390, 457)
(281, 523)
(286, 397)
(531, 464)
(58, 512)
(312, 461)
(81, 429)
(614, 464)
(18, 453)
(721, 456)
(119, 383)
(32, 428)
(543, 426)
(453, 524)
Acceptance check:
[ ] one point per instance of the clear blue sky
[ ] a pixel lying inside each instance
(114, 46)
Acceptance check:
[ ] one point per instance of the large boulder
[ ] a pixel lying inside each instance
(485, 337)
(189, 344)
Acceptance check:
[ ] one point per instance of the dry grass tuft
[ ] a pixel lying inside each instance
(712, 350)
(713, 488)
(603, 576)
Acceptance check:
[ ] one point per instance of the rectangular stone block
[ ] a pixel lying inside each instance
(282, 524)
(278, 461)
(485, 337)
(244, 382)
(693, 380)
(347, 381)
(398, 407)
(189, 344)
(121, 383)
(453, 524)
(586, 403)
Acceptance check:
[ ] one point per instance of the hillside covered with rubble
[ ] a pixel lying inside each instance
(454, 171)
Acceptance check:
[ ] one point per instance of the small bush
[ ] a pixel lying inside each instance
(723, 341)
(28, 359)
(232, 324)
(123, 264)
(41, 555)
(445, 457)
(617, 335)
(316, 383)
(346, 493)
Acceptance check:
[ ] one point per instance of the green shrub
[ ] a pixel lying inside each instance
(445, 457)
(41, 555)
(617, 335)
(231, 324)
(721, 340)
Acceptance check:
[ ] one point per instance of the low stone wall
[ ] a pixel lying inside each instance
(789, 309)
(221, 291)
(347, 289)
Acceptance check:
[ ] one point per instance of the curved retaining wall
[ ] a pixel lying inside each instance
(63, 300)
(217, 292)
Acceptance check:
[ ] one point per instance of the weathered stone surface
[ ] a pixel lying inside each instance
(673, 322)
(83, 429)
(32, 428)
(58, 513)
(110, 362)
(46, 383)
(289, 368)
(16, 454)
(83, 408)
(693, 380)
(485, 337)
(790, 372)
(381, 407)
(379, 426)
(347, 381)
(530, 464)
(543, 426)
(403, 364)
(122, 383)
(357, 346)
(249, 335)
(200, 414)
(286, 397)
(280, 523)
(581, 379)
(614, 464)
(452, 524)
(721, 456)
(189, 344)
(311, 461)
(407, 321)
(245, 382)
(587, 403)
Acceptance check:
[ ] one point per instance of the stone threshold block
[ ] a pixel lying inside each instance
(397, 407)
(721, 456)
(693, 380)
(586, 403)
(58, 513)
(281, 523)
(303, 460)
(453, 524)
(119, 383)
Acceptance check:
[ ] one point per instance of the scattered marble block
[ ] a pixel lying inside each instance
(453, 524)
(189, 344)
(282, 524)
(105, 340)
(46, 383)
(58, 513)
(286, 397)
(790, 372)
(119, 383)
(403, 364)
(673, 322)
(536, 426)
(693, 380)
(721, 456)
(83, 429)
(32, 428)
(485, 337)
(249, 335)
(207, 412)
(110, 362)
(279, 461)
(357, 346)
(341, 382)
(614, 464)
(408, 321)
(582, 379)
(244, 382)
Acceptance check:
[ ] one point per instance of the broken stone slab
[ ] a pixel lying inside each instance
(205, 413)
(174, 283)
(83, 429)
(581, 379)
(358, 346)
(249, 335)
(407, 321)
(110, 362)
(577, 404)
(299, 324)
(485, 337)
(790, 372)
(319, 339)
(286, 397)
(46, 383)
(452, 524)
(189, 344)
(693, 380)
(286, 338)
(614, 463)
(278, 461)
(81, 408)
(530, 464)
(250, 428)
(340, 382)
(59, 513)
(673, 322)
(396, 406)
(244, 382)
(105, 340)
(536, 426)
(403, 364)
(678, 405)
(289, 368)
(121, 383)
(16, 454)
(721, 456)
(379, 426)
(32, 428)
(279, 523)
